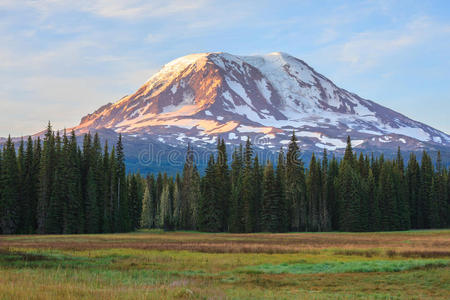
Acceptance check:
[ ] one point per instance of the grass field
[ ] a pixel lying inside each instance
(189, 265)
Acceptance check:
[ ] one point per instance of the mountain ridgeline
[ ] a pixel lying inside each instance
(56, 186)
(199, 97)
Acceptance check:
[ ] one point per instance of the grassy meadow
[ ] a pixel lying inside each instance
(191, 265)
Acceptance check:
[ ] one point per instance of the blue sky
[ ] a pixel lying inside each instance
(62, 59)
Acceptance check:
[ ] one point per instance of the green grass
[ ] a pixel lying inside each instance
(189, 265)
(348, 267)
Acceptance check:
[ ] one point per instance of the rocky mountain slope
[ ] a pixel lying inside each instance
(198, 97)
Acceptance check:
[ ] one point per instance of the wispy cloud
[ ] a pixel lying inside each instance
(368, 49)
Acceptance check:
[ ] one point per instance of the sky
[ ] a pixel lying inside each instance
(63, 59)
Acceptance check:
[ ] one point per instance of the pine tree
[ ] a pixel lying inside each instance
(46, 178)
(236, 209)
(10, 191)
(73, 217)
(21, 203)
(332, 176)
(404, 218)
(106, 210)
(348, 155)
(196, 195)
(223, 183)
(92, 213)
(313, 195)
(134, 202)
(372, 204)
(187, 197)
(158, 192)
(258, 193)
(165, 213)
(146, 215)
(387, 199)
(151, 183)
(248, 195)
(413, 185)
(438, 214)
(295, 187)
(364, 201)
(448, 198)
(55, 215)
(426, 192)
(210, 218)
(29, 187)
(177, 202)
(99, 174)
(348, 186)
(1, 187)
(324, 213)
(280, 184)
(85, 168)
(271, 204)
(123, 223)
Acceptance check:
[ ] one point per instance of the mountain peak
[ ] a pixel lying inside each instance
(200, 96)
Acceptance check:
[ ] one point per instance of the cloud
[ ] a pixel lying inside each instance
(125, 9)
(369, 49)
(141, 9)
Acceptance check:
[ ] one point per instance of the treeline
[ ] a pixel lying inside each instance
(356, 193)
(53, 186)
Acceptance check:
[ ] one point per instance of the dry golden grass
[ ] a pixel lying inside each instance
(192, 265)
(413, 243)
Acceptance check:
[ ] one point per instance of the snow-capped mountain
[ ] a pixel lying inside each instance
(198, 97)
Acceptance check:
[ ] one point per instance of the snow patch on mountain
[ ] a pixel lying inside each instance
(201, 96)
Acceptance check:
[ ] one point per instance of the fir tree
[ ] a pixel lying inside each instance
(55, 217)
(106, 210)
(324, 214)
(165, 213)
(236, 209)
(270, 205)
(404, 220)
(349, 192)
(73, 215)
(413, 185)
(123, 223)
(280, 184)
(314, 195)
(134, 202)
(425, 194)
(348, 186)
(295, 187)
(187, 197)
(92, 213)
(10, 191)
(258, 193)
(21, 202)
(99, 174)
(177, 202)
(196, 195)
(387, 198)
(223, 183)
(438, 214)
(248, 195)
(46, 177)
(332, 176)
(30, 178)
(146, 215)
(373, 215)
(210, 218)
